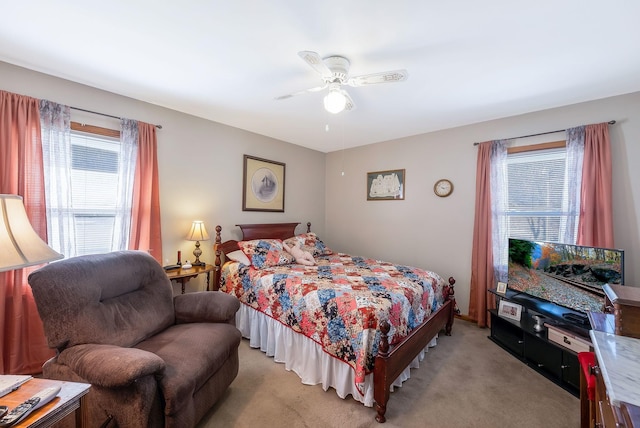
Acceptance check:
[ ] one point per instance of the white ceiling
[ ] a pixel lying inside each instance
(468, 61)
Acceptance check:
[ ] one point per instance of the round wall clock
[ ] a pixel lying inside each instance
(443, 188)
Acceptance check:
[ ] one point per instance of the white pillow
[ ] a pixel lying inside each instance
(239, 256)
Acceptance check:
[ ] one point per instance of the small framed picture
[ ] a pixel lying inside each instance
(386, 185)
(510, 310)
(502, 287)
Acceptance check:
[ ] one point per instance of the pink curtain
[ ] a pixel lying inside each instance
(145, 213)
(595, 226)
(482, 273)
(24, 347)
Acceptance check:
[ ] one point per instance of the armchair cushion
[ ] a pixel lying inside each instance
(110, 366)
(193, 352)
(205, 306)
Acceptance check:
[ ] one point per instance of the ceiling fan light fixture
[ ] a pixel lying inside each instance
(334, 71)
(335, 101)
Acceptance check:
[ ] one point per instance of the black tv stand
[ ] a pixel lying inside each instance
(522, 339)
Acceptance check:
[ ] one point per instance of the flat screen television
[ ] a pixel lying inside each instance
(570, 276)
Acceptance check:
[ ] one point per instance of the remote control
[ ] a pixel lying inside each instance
(21, 411)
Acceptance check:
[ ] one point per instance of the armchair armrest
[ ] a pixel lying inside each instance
(110, 366)
(205, 306)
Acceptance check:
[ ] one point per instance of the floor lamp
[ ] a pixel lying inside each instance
(20, 245)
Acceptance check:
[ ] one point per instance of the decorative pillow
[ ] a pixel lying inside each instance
(240, 257)
(265, 252)
(311, 243)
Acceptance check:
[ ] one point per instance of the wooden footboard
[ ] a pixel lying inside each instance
(389, 364)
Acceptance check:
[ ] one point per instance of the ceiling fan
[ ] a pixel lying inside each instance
(334, 71)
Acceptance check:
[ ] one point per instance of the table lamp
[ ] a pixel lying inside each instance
(20, 245)
(197, 233)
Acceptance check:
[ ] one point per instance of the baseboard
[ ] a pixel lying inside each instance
(465, 318)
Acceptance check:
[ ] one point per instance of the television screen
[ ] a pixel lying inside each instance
(567, 275)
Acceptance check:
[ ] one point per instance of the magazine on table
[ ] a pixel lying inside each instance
(9, 383)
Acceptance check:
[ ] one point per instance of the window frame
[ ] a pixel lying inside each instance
(96, 132)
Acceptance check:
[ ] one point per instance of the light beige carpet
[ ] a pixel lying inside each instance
(465, 381)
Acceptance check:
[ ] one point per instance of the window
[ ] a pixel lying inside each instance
(94, 191)
(89, 175)
(537, 207)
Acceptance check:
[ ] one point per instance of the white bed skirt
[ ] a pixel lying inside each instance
(306, 358)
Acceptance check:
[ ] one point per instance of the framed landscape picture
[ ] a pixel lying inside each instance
(386, 185)
(263, 185)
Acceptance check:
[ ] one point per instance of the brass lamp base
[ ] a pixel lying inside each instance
(197, 252)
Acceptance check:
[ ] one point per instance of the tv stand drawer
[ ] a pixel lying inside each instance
(543, 355)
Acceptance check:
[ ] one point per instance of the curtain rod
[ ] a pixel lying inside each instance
(104, 114)
(611, 122)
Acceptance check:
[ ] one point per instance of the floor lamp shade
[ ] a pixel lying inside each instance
(20, 245)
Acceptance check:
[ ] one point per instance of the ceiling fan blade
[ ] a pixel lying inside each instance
(374, 78)
(314, 60)
(350, 105)
(306, 91)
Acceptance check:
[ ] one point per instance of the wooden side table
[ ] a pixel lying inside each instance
(184, 275)
(70, 399)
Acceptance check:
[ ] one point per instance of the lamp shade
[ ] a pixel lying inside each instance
(198, 232)
(20, 245)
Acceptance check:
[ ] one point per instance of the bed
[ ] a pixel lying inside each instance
(350, 323)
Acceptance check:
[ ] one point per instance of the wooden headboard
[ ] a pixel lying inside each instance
(250, 232)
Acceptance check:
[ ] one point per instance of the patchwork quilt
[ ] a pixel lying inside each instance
(340, 302)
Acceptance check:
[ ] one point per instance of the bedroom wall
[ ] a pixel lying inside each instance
(200, 163)
(436, 233)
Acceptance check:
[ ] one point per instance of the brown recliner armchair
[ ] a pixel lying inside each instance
(152, 359)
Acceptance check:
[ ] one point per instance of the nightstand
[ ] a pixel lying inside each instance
(184, 275)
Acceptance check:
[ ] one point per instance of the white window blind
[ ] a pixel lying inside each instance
(537, 207)
(95, 167)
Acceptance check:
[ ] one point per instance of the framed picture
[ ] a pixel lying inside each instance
(263, 185)
(510, 310)
(386, 185)
(502, 287)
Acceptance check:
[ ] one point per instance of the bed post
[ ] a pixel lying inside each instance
(380, 374)
(451, 296)
(389, 363)
(218, 262)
